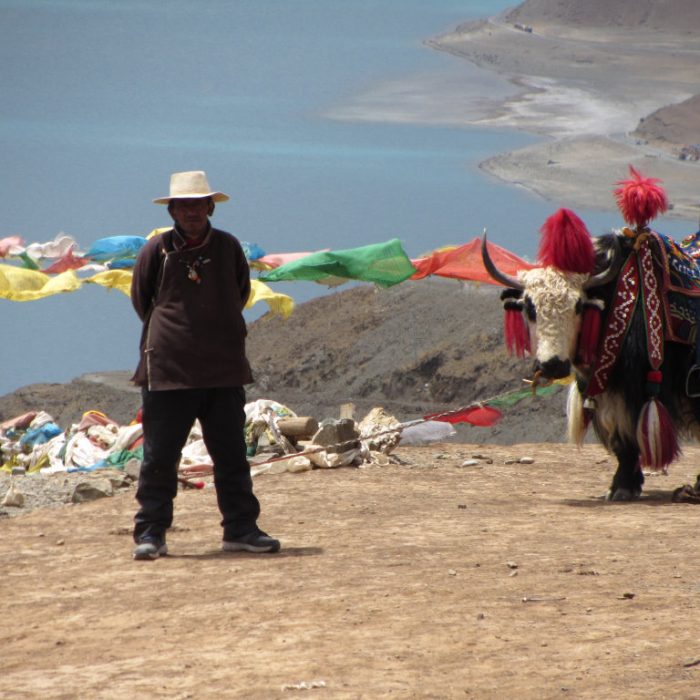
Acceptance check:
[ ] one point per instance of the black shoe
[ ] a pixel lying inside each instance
(150, 548)
(256, 541)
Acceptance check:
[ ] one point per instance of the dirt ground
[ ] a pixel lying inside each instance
(421, 579)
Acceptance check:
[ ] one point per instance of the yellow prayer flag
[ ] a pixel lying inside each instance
(113, 279)
(278, 303)
(21, 284)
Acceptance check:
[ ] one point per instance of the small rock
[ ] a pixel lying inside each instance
(511, 565)
(92, 490)
(118, 480)
(508, 461)
(60, 543)
(132, 468)
(480, 616)
(14, 497)
(527, 460)
(335, 432)
(451, 572)
(470, 463)
(121, 530)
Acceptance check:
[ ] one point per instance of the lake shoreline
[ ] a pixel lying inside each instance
(586, 92)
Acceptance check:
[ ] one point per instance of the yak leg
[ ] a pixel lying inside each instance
(629, 478)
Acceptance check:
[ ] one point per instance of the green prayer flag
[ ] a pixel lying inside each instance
(119, 459)
(29, 262)
(385, 264)
(510, 399)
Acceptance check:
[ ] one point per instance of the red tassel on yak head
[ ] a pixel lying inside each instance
(640, 199)
(515, 330)
(566, 243)
(656, 434)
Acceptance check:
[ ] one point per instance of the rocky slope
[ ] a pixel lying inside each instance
(674, 127)
(676, 16)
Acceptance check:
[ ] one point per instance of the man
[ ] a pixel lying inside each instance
(189, 287)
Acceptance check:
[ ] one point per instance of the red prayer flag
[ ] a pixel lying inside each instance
(480, 416)
(66, 262)
(464, 263)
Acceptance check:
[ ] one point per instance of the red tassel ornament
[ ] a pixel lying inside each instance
(656, 434)
(640, 199)
(515, 329)
(566, 243)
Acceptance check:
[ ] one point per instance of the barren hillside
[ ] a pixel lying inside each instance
(677, 16)
(676, 125)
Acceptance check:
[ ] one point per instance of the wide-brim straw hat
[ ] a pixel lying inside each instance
(192, 184)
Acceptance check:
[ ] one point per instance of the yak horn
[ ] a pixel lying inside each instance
(497, 275)
(609, 274)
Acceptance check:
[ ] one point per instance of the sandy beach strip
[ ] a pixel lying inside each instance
(459, 94)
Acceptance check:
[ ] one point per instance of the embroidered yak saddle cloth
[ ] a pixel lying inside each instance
(664, 276)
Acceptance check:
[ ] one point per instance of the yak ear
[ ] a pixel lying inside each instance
(640, 199)
(566, 243)
(511, 294)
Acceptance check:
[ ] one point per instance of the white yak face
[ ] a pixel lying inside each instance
(554, 295)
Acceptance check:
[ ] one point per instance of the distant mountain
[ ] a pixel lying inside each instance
(682, 16)
(677, 125)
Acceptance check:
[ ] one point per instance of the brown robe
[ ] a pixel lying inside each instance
(191, 302)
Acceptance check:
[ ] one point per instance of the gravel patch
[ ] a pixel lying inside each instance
(52, 490)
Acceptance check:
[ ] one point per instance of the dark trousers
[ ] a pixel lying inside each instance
(168, 417)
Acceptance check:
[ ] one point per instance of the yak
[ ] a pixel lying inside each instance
(620, 312)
